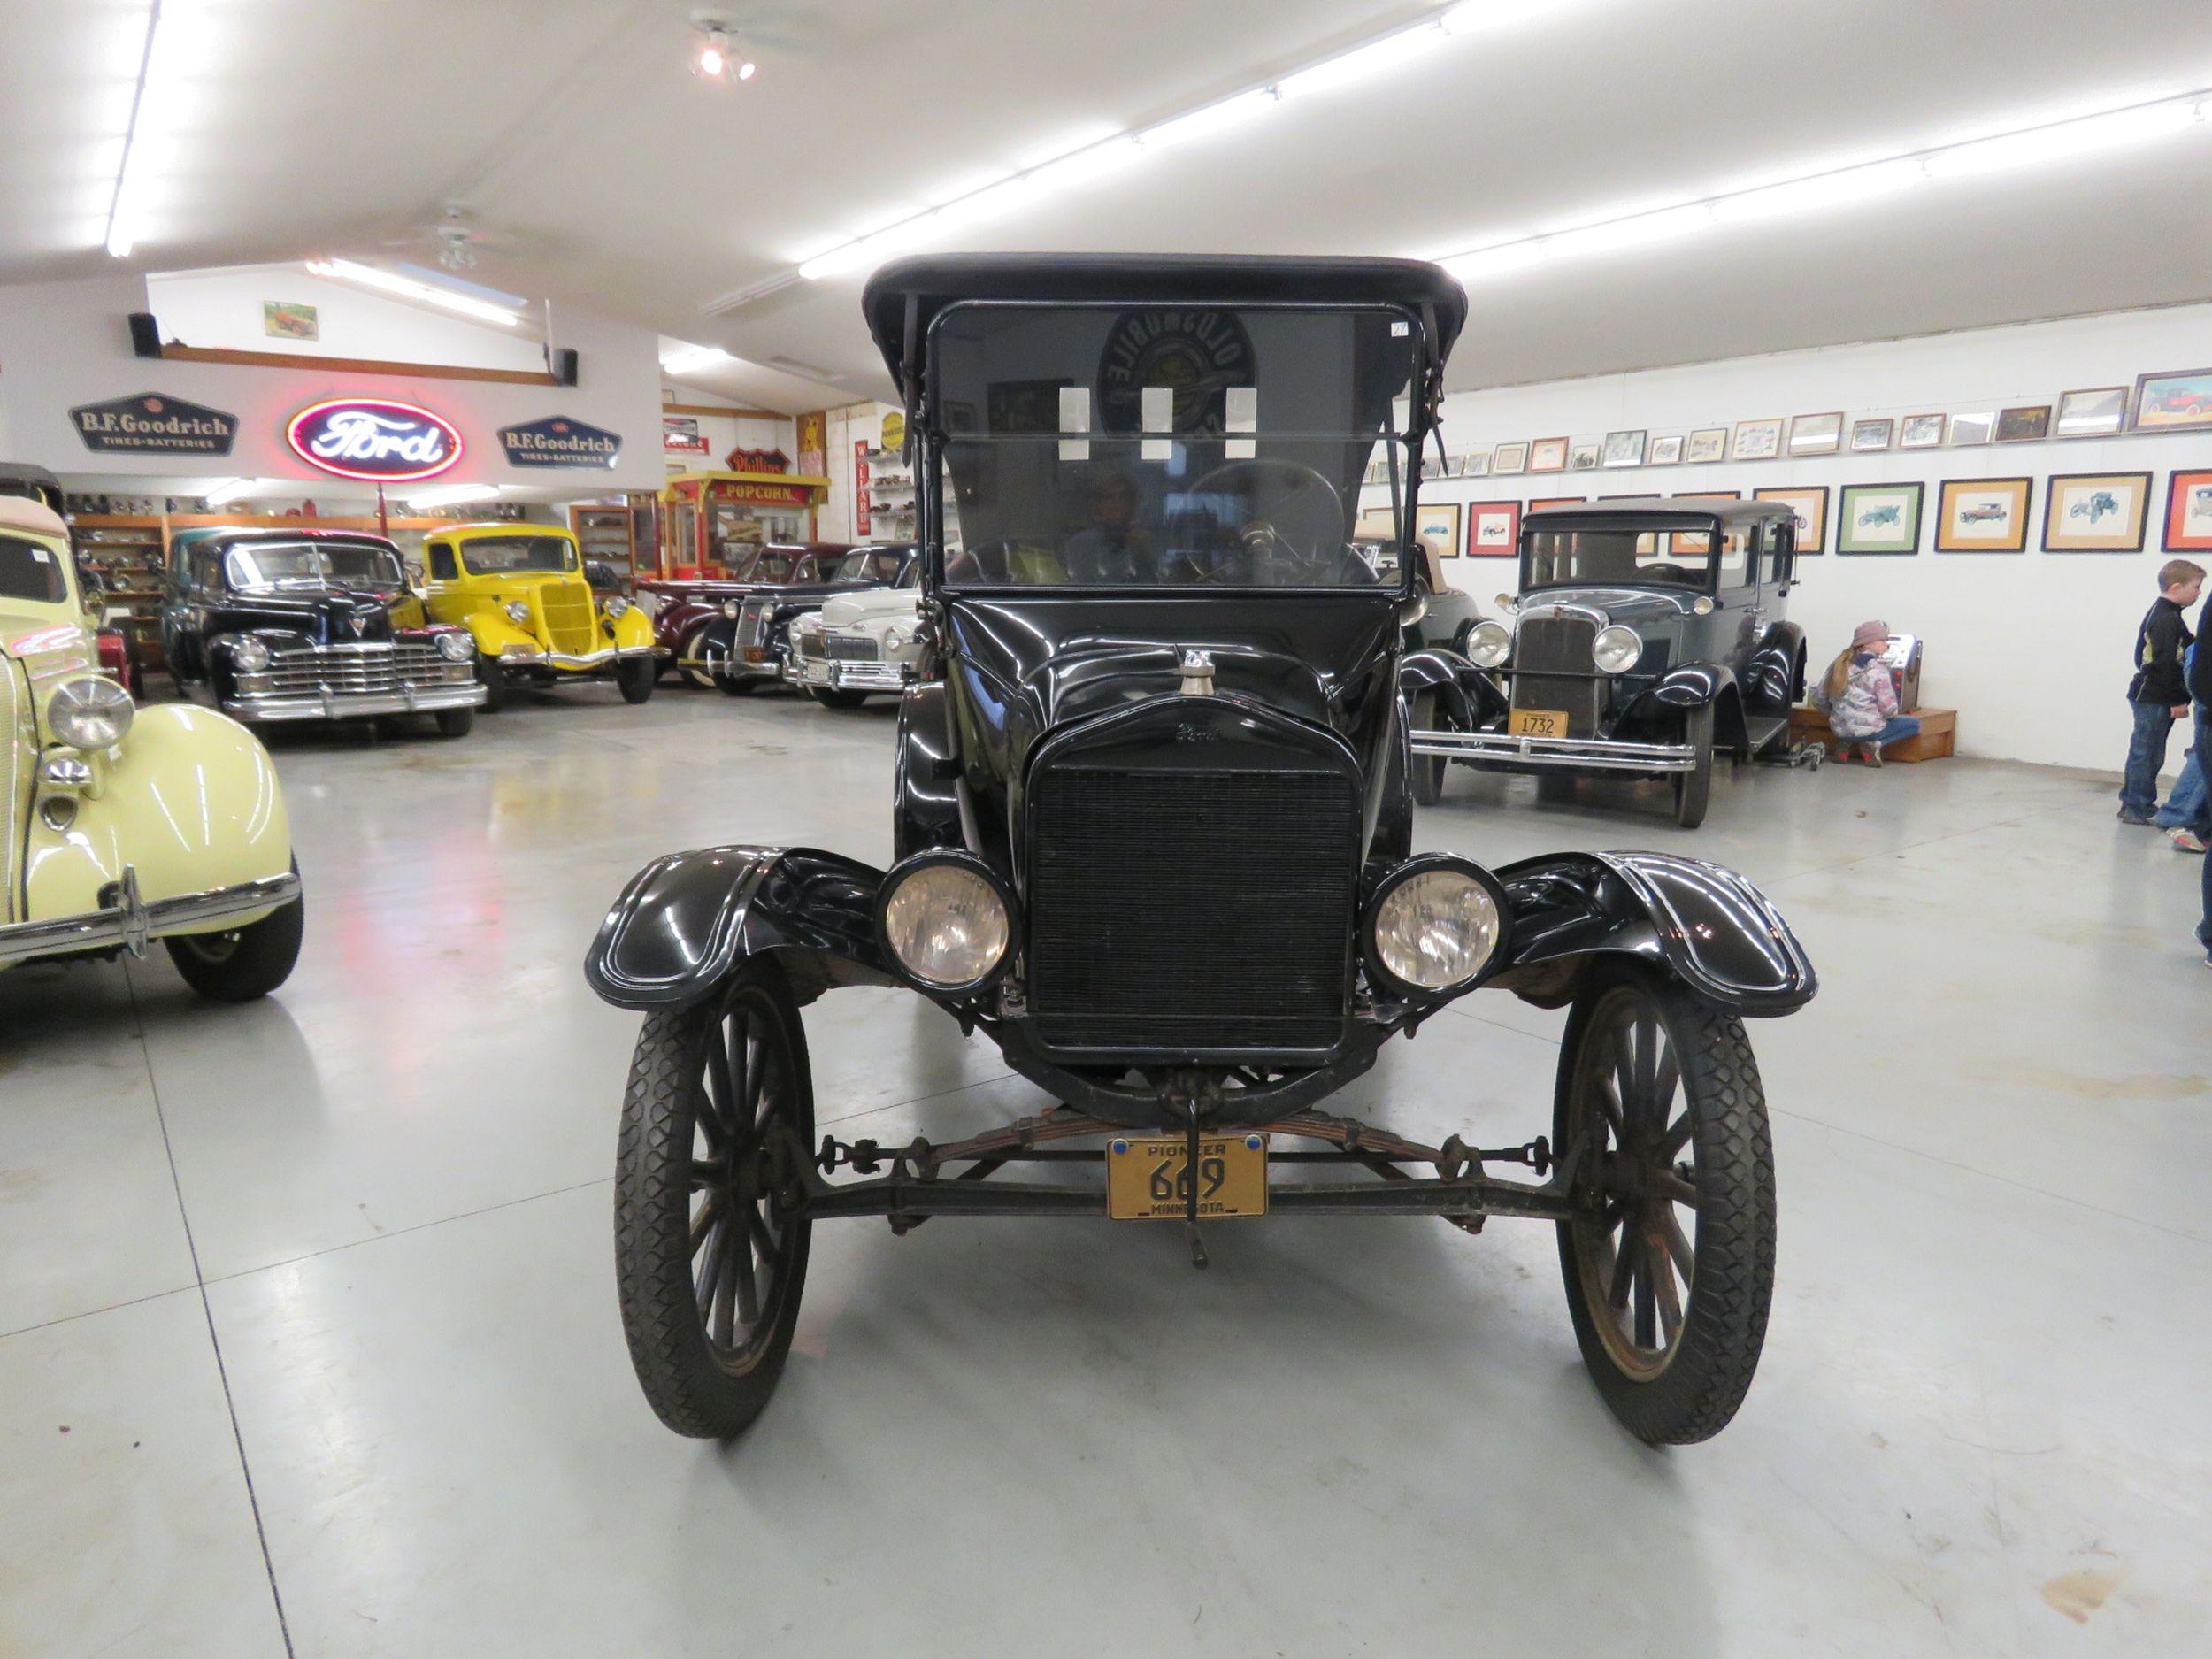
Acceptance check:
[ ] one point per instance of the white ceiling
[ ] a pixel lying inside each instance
(601, 171)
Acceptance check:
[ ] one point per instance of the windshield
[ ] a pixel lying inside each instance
(1161, 446)
(28, 571)
(300, 568)
(1670, 558)
(518, 554)
(869, 564)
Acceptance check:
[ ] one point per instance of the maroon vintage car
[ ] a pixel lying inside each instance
(683, 606)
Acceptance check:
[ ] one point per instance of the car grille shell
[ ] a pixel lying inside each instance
(341, 669)
(567, 608)
(1555, 668)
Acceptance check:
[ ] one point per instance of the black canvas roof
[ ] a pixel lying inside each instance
(1730, 513)
(927, 284)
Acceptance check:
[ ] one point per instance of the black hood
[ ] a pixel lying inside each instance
(341, 617)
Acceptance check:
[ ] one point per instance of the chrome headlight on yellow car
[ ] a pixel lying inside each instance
(1436, 924)
(519, 612)
(947, 920)
(456, 647)
(616, 607)
(1489, 643)
(89, 712)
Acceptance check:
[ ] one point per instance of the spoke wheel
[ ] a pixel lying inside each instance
(711, 1248)
(1670, 1268)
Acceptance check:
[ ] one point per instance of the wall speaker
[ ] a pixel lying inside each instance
(145, 334)
(562, 362)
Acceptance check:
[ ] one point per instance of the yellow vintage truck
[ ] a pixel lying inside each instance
(123, 826)
(520, 590)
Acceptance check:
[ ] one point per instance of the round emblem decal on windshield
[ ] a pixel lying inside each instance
(1196, 354)
(377, 439)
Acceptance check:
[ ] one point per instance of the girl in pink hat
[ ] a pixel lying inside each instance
(1861, 697)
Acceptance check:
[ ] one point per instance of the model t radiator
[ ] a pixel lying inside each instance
(1554, 668)
(1196, 911)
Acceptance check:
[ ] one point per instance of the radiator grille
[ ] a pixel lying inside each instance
(1191, 909)
(859, 648)
(1554, 668)
(358, 668)
(566, 608)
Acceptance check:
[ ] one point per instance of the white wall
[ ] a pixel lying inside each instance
(724, 433)
(854, 423)
(223, 308)
(2033, 649)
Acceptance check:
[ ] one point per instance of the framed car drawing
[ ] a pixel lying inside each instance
(1707, 443)
(1878, 518)
(1624, 449)
(1695, 543)
(1547, 455)
(1869, 436)
(1810, 502)
(1475, 465)
(1972, 429)
(1437, 528)
(1582, 457)
(1816, 434)
(1666, 451)
(2095, 512)
(1758, 440)
(2189, 514)
(2177, 398)
(1510, 458)
(2023, 424)
(1983, 515)
(2093, 413)
(1493, 528)
(1920, 431)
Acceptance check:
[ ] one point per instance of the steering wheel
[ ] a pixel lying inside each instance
(1306, 515)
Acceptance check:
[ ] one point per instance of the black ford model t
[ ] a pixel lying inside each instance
(1649, 635)
(1152, 838)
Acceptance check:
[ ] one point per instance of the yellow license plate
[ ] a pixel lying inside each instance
(1147, 1180)
(1536, 723)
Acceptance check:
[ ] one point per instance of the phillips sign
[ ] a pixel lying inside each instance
(375, 439)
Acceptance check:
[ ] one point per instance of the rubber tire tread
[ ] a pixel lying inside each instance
(633, 677)
(1694, 789)
(263, 959)
(1725, 1324)
(493, 678)
(832, 699)
(454, 722)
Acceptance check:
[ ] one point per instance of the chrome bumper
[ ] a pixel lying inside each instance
(1580, 754)
(347, 705)
(562, 659)
(129, 923)
(837, 675)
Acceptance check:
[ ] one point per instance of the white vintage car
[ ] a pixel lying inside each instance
(855, 644)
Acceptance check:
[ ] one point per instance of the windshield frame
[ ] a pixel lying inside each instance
(573, 562)
(394, 581)
(1688, 521)
(927, 433)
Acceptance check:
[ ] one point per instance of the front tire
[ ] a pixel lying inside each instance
(1659, 1114)
(493, 678)
(1693, 789)
(246, 963)
(1426, 772)
(829, 699)
(455, 722)
(711, 1247)
(633, 677)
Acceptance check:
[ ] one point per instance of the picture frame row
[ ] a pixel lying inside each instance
(2169, 400)
(2083, 512)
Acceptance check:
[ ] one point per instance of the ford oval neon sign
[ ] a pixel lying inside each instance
(376, 440)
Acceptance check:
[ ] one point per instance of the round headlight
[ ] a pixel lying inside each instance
(456, 647)
(729, 608)
(1616, 648)
(248, 655)
(617, 606)
(893, 637)
(1436, 928)
(519, 612)
(90, 712)
(1489, 644)
(947, 923)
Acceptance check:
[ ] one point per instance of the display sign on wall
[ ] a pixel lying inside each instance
(149, 423)
(744, 460)
(861, 525)
(559, 441)
(894, 433)
(813, 436)
(765, 495)
(375, 439)
(681, 433)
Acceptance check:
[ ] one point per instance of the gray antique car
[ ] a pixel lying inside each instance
(1649, 635)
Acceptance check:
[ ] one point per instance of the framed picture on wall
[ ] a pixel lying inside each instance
(2023, 423)
(2093, 413)
(1624, 449)
(1920, 431)
(1666, 451)
(1558, 500)
(2177, 398)
(1811, 503)
(1983, 515)
(1758, 440)
(1547, 455)
(1494, 529)
(1867, 436)
(1707, 443)
(1696, 543)
(1510, 458)
(1971, 429)
(2189, 514)
(1477, 465)
(1582, 457)
(1437, 528)
(1878, 518)
(1376, 523)
(2095, 512)
(1816, 434)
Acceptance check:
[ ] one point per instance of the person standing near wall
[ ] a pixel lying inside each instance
(2157, 695)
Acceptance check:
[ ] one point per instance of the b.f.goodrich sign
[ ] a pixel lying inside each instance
(558, 440)
(147, 423)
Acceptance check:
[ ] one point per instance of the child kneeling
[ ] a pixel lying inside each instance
(1860, 696)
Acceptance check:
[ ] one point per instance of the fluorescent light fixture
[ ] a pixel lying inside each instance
(230, 490)
(989, 202)
(1080, 167)
(1214, 117)
(152, 103)
(407, 288)
(1362, 61)
(1498, 261)
(1635, 232)
(834, 262)
(453, 494)
(691, 359)
(2063, 140)
(1826, 189)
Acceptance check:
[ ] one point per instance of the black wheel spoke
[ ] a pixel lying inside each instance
(737, 1254)
(1646, 1332)
(704, 1222)
(763, 1239)
(747, 1286)
(705, 1173)
(1647, 1058)
(743, 1063)
(716, 1098)
(710, 1274)
(1676, 1138)
(1609, 1104)
(1671, 1186)
(1659, 1267)
(764, 1077)
(1623, 1273)
(1677, 1244)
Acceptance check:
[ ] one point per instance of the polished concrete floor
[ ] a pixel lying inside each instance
(308, 1338)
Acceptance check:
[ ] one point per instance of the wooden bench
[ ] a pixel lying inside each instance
(1939, 728)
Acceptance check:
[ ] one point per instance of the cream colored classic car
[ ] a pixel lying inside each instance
(123, 825)
(855, 644)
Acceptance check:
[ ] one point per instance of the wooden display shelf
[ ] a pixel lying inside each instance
(1939, 731)
(248, 521)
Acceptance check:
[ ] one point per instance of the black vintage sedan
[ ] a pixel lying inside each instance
(1152, 838)
(283, 625)
(1649, 636)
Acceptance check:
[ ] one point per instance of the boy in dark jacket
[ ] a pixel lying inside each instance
(2156, 694)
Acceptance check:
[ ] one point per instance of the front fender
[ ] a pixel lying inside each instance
(687, 918)
(631, 631)
(494, 632)
(1702, 925)
(190, 802)
(1658, 709)
(1467, 695)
